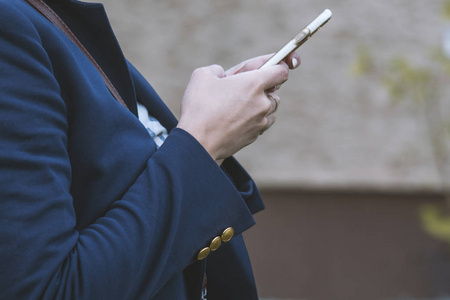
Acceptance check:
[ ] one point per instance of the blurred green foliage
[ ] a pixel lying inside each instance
(446, 9)
(406, 81)
(436, 222)
(364, 62)
(403, 80)
(422, 85)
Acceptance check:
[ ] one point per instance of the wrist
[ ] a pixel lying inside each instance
(202, 139)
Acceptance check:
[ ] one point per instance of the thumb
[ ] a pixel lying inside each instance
(275, 75)
(269, 77)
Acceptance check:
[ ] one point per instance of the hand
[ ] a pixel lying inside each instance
(226, 111)
(292, 61)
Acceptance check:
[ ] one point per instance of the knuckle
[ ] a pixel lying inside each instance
(263, 125)
(212, 70)
(259, 84)
(198, 71)
(284, 73)
(273, 118)
(266, 105)
(216, 69)
(215, 66)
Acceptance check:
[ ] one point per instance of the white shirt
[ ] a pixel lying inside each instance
(154, 128)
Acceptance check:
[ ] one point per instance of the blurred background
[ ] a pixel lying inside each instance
(355, 171)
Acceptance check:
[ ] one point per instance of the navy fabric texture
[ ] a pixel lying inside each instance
(88, 208)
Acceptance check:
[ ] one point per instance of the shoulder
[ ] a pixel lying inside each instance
(13, 9)
(16, 18)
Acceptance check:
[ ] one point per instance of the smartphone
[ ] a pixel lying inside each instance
(299, 39)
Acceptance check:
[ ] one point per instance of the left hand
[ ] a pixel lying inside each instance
(292, 61)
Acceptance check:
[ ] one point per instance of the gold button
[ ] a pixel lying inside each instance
(227, 234)
(203, 253)
(215, 244)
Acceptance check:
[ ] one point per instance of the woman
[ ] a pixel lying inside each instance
(91, 206)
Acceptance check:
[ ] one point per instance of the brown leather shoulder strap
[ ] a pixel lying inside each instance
(47, 12)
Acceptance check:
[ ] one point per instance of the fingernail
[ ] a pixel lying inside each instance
(294, 62)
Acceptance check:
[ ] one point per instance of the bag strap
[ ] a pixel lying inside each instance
(47, 12)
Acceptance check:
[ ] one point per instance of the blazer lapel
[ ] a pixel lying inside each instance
(90, 24)
(151, 100)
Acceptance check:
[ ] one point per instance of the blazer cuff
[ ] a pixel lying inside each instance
(213, 196)
(244, 184)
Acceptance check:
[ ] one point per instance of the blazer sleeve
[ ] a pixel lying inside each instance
(174, 207)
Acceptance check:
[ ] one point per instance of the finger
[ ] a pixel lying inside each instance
(236, 69)
(271, 90)
(275, 101)
(248, 65)
(263, 79)
(274, 89)
(256, 62)
(274, 76)
(268, 78)
(270, 120)
(293, 60)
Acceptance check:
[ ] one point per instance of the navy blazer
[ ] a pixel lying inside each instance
(89, 208)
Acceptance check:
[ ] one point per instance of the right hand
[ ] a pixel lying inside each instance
(226, 113)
